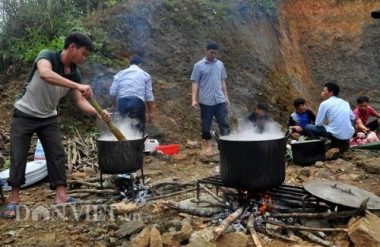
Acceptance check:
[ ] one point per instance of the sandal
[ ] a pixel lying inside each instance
(70, 200)
(9, 211)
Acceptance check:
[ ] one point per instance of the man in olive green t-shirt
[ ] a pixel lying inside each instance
(53, 75)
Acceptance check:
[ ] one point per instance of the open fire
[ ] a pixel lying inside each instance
(285, 212)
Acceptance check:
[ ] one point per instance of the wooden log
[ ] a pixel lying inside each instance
(219, 230)
(213, 195)
(91, 191)
(305, 228)
(171, 194)
(316, 239)
(68, 151)
(327, 215)
(79, 195)
(91, 202)
(117, 133)
(251, 229)
(103, 205)
(74, 154)
(277, 235)
(81, 182)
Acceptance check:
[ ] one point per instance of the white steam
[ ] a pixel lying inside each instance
(125, 125)
(247, 131)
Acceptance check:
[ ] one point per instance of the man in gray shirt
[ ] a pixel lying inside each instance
(209, 93)
(53, 75)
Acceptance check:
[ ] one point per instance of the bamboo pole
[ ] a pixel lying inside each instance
(117, 133)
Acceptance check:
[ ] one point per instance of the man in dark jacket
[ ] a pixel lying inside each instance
(301, 117)
(260, 116)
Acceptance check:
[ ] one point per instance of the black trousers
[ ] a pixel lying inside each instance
(373, 125)
(23, 127)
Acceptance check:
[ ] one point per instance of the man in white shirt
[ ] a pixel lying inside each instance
(334, 119)
(131, 88)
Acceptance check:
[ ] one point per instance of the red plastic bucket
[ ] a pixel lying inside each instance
(170, 149)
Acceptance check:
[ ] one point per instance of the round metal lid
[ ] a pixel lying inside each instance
(342, 194)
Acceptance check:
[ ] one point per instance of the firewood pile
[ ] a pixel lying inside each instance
(81, 152)
(272, 217)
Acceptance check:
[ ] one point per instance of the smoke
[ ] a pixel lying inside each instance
(125, 125)
(248, 131)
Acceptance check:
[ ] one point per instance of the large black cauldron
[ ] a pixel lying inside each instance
(252, 165)
(118, 157)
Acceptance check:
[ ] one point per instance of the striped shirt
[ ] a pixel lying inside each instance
(132, 81)
(209, 76)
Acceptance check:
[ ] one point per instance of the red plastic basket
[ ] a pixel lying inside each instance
(170, 149)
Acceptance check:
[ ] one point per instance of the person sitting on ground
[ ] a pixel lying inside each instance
(301, 117)
(334, 118)
(362, 112)
(260, 116)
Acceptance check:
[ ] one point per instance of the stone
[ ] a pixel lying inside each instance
(44, 239)
(319, 164)
(206, 235)
(199, 209)
(142, 239)
(332, 153)
(129, 228)
(124, 208)
(201, 243)
(175, 238)
(305, 172)
(155, 238)
(209, 159)
(370, 165)
(365, 231)
(232, 239)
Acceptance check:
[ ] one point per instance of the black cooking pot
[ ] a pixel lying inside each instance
(117, 157)
(252, 165)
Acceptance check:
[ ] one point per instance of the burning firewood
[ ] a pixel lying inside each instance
(219, 230)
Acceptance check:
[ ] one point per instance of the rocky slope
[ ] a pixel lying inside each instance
(273, 51)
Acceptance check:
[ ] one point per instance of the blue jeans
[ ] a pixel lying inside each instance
(220, 112)
(316, 131)
(134, 108)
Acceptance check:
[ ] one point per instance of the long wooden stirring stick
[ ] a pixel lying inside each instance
(117, 133)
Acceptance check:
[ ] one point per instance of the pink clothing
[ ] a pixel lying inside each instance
(361, 138)
(364, 115)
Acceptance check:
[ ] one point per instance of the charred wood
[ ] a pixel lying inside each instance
(219, 230)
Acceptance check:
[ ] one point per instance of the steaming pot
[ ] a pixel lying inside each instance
(117, 157)
(252, 165)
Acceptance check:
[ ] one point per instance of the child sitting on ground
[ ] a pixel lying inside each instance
(301, 117)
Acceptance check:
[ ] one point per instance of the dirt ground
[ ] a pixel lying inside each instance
(185, 166)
